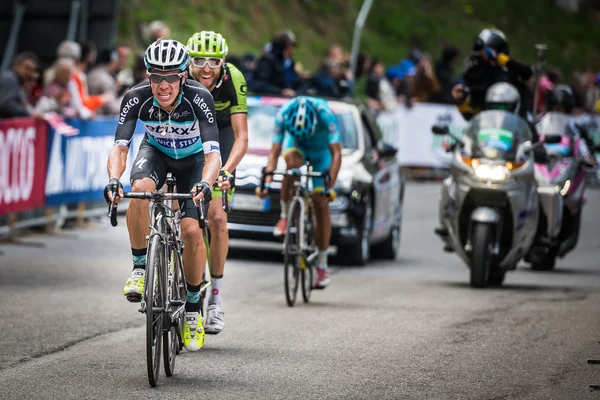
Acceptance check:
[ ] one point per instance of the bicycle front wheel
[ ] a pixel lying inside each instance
(154, 307)
(308, 269)
(292, 255)
(171, 336)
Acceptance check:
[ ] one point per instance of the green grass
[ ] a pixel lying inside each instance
(573, 41)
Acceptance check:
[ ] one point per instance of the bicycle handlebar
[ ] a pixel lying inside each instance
(156, 196)
(296, 173)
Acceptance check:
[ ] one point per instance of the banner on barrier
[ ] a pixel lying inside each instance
(77, 163)
(23, 147)
(409, 129)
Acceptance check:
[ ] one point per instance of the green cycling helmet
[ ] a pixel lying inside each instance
(207, 44)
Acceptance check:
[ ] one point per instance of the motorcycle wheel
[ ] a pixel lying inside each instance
(481, 255)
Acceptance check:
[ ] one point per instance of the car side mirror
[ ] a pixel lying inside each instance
(552, 139)
(385, 149)
(440, 129)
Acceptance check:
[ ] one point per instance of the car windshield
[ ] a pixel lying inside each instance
(261, 127)
(495, 135)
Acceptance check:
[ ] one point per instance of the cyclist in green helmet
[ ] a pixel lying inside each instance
(227, 85)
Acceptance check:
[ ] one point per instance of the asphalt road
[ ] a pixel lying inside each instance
(411, 329)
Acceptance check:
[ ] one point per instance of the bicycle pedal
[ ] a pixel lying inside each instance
(211, 332)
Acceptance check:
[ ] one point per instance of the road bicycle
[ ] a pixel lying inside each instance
(299, 247)
(165, 290)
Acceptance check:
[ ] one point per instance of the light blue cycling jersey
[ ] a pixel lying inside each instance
(326, 133)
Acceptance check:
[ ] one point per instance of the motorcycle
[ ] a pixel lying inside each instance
(561, 189)
(491, 207)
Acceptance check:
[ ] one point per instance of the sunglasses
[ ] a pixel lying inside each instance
(200, 62)
(170, 78)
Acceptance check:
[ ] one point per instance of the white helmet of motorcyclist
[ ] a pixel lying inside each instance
(503, 96)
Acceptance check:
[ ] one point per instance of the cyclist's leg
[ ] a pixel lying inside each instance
(148, 172)
(187, 172)
(293, 154)
(321, 162)
(219, 241)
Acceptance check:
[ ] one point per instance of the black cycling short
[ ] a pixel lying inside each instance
(154, 164)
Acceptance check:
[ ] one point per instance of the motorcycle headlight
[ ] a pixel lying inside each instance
(491, 172)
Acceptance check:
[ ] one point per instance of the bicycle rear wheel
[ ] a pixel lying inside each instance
(308, 269)
(172, 336)
(292, 255)
(154, 301)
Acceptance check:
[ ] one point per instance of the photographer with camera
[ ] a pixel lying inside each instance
(490, 63)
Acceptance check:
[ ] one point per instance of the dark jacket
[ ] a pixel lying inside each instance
(480, 75)
(445, 76)
(13, 101)
(270, 76)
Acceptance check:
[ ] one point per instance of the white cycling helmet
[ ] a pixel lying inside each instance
(503, 96)
(167, 54)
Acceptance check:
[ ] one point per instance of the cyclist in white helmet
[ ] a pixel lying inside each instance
(181, 138)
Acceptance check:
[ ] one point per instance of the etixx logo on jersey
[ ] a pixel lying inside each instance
(199, 101)
(126, 107)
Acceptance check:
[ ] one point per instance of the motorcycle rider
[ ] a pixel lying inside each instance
(490, 63)
(561, 99)
(500, 96)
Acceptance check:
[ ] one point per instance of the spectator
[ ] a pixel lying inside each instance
(66, 49)
(139, 69)
(444, 72)
(102, 81)
(15, 83)
(380, 93)
(331, 80)
(82, 101)
(248, 68)
(56, 96)
(425, 83)
(363, 64)
(155, 30)
(124, 76)
(276, 71)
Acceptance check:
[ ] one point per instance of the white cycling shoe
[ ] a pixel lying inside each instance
(215, 319)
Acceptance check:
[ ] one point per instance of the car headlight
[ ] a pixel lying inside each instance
(343, 183)
(491, 172)
(340, 203)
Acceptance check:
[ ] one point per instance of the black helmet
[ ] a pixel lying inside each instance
(492, 38)
(562, 96)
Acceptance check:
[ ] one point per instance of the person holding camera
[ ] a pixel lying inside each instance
(490, 63)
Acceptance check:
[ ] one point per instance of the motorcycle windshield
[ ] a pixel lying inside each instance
(556, 124)
(495, 135)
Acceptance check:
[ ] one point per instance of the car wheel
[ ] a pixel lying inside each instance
(390, 248)
(359, 253)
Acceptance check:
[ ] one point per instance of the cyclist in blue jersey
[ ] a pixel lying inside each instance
(306, 129)
(181, 138)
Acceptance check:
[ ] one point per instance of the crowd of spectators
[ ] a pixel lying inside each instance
(84, 82)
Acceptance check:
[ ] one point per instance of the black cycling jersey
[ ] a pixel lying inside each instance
(188, 129)
(230, 95)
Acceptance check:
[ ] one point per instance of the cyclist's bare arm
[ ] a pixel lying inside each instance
(272, 161)
(117, 159)
(336, 163)
(204, 108)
